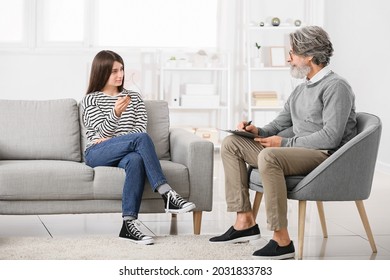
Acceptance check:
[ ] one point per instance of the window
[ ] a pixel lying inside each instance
(109, 23)
(12, 21)
(61, 21)
(156, 23)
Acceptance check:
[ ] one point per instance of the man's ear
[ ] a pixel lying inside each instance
(310, 59)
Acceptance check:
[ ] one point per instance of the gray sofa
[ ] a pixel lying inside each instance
(42, 169)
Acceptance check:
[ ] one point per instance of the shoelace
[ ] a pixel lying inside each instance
(132, 226)
(175, 199)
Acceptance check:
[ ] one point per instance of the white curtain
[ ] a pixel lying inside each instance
(231, 40)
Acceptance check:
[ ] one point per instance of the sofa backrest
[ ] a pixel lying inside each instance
(157, 127)
(44, 129)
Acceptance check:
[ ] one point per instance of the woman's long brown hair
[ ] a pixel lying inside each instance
(101, 70)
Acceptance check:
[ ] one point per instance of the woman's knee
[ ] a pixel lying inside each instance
(145, 138)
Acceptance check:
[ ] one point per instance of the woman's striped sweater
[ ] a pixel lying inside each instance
(101, 122)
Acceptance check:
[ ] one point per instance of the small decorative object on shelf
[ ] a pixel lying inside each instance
(200, 59)
(275, 21)
(171, 62)
(297, 22)
(257, 59)
(261, 23)
(215, 60)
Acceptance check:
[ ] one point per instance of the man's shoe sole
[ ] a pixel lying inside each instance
(239, 239)
(281, 257)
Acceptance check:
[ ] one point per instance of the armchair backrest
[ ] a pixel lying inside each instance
(346, 175)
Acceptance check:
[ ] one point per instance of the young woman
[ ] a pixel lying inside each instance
(116, 119)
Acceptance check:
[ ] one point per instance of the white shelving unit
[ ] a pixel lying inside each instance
(262, 73)
(202, 113)
(266, 78)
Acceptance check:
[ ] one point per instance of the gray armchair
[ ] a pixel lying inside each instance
(345, 176)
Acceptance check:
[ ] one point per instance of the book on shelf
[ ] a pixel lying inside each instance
(265, 98)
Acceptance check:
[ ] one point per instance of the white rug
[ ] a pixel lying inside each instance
(182, 247)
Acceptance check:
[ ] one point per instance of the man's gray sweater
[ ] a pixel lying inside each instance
(321, 114)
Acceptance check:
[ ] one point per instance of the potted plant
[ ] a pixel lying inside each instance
(257, 59)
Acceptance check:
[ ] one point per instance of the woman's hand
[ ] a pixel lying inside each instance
(121, 105)
(100, 140)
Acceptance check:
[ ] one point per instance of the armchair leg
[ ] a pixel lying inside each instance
(301, 227)
(197, 221)
(321, 213)
(366, 224)
(256, 204)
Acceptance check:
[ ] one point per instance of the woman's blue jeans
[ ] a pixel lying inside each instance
(135, 153)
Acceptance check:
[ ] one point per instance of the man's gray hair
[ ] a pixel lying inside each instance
(312, 41)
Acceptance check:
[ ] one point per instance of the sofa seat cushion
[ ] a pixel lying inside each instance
(67, 180)
(108, 182)
(45, 180)
(256, 183)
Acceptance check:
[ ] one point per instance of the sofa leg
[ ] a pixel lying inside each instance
(197, 220)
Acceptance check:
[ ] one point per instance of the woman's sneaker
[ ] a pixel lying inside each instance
(131, 231)
(175, 204)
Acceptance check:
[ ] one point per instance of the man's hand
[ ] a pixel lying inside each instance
(273, 141)
(121, 105)
(247, 126)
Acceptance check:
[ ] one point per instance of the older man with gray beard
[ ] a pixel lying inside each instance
(320, 115)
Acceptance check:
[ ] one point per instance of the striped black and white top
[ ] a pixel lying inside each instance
(101, 122)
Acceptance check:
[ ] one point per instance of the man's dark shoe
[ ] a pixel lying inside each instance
(235, 236)
(272, 251)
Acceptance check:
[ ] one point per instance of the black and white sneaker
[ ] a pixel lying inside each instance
(175, 204)
(131, 231)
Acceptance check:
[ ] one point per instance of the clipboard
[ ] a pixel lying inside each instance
(241, 133)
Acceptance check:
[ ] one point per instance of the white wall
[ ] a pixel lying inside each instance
(360, 31)
(55, 74)
(43, 76)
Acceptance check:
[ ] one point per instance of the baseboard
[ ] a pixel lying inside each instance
(383, 167)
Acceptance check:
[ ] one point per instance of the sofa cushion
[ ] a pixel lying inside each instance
(108, 183)
(45, 180)
(158, 126)
(67, 180)
(41, 130)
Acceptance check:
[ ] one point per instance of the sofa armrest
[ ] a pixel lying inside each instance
(198, 156)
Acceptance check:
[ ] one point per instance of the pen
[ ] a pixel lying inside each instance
(249, 123)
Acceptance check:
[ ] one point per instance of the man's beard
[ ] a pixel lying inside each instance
(299, 72)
